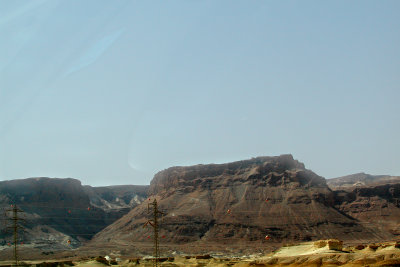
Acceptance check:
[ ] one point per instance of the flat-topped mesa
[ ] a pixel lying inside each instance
(51, 191)
(280, 170)
(61, 209)
(240, 202)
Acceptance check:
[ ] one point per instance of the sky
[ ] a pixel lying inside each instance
(111, 92)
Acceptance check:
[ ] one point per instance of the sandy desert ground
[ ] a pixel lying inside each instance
(318, 253)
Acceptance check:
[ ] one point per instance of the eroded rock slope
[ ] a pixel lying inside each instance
(374, 200)
(57, 210)
(241, 202)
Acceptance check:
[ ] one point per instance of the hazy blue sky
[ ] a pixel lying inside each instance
(110, 92)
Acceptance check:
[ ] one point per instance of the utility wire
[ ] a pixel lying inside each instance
(15, 227)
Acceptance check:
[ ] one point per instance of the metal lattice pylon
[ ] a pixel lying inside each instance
(15, 227)
(154, 224)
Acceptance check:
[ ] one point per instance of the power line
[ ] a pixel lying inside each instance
(154, 224)
(238, 215)
(15, 227)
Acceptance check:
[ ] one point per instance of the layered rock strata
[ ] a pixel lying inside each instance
(241, 202)
(61, 212)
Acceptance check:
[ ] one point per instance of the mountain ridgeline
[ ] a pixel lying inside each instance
(242, 202)
(236, 204)
(57, 210)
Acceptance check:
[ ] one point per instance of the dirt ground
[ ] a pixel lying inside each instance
(320, 253)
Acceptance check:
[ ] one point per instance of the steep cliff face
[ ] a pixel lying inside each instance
(241, 202)
(374, 200)
(58, 210)
(377, 206)
(199, 175)
(51, 191)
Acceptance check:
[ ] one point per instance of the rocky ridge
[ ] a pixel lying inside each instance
(239, 203)
(63, 213)
(372, 200)
(211, 206)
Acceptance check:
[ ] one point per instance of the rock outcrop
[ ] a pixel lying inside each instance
(374, 200)
(241, 202)
(63, 213)
(361, 180)
(260, 202)
(116, 198)
(376, 206)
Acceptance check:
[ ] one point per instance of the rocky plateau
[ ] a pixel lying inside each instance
(241, 203)
(61, 213)
(248, 206)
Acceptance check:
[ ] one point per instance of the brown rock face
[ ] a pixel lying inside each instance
(374, 200)
(202, 175)
(241, 202)
(376, 206)
(57, 210)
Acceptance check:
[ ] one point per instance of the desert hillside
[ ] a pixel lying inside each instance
(251, 205)
(239, 204)
(61, 213)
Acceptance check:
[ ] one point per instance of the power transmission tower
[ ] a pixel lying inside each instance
(15, 227)
(154, 224)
